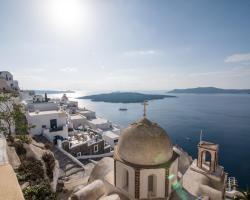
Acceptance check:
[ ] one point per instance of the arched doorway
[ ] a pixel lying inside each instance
(152, 181)
(206, 160)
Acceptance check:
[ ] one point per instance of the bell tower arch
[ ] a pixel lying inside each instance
(208, 156)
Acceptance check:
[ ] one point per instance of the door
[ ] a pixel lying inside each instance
(53, 124)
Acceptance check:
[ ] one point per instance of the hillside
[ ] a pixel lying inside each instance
(125, 97)
(210, 90)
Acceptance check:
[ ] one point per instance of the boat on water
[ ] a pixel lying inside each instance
(123, 109)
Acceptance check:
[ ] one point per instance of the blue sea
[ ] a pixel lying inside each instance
(224, 119)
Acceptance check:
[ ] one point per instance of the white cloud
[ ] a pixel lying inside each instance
(238, 58)
(69, 69)
(102, 67)
(139, 52)
(234, 72)
(38, 70)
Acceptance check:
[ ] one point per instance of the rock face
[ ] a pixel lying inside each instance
(102, 170)
(210, 90)
(110, 197)
(93, 191)
(13, 157)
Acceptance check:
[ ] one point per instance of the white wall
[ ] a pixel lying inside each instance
(102, 126)
(45, 106)
(79, 122)
(110, 140)
(39, 120)
(160, 182)
(8, 77)
(3, 74)
(88, 114)
(4, 85)
(50, 135)
(120, 167)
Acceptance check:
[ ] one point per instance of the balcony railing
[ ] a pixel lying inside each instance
(60, 128)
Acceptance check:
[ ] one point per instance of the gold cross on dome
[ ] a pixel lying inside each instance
(145, 104)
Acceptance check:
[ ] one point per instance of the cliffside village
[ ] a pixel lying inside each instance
(99, 161)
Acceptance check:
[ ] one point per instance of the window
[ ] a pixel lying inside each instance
(95, 148)
(125, 181)
(78, 154)
(43, 126)
(150, 183)
(151, 186)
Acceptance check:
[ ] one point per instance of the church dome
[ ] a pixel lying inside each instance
(144, 143)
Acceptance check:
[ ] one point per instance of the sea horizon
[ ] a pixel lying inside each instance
(222, 117)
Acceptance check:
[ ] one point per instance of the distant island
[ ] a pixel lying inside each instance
(125, 97)
(53, 91)
(210, 90)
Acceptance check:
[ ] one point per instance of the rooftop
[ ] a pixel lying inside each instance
(46, 112)
(72, 117)
(85, 111)
(99, 120)
(111, 134)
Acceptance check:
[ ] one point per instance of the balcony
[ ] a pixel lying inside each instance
(51, 133)
(60, 128)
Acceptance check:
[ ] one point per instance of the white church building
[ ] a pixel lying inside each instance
(144, 166)
(143, 161)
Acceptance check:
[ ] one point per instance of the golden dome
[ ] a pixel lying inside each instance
(144, 143)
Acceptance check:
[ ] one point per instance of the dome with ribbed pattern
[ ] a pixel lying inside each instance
(144, 143)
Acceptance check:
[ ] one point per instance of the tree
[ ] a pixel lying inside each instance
(21, 124)
(6, 113)
(12, 114)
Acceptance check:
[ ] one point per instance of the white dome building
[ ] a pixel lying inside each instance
(64, 99)
(145, 164)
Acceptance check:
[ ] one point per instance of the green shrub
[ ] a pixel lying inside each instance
(49, 161)
(11, 139)
(24, 139)
(40, 191)
(32, 170)
(20, 150)
(48, 146)
(21, 177)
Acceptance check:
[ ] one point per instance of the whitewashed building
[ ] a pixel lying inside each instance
(99, 123)
(111, 138)
(40, 106)
(48, 123)
(7, 83)
(38, 98)
(89, 114)
(144, 165)
(77, 120)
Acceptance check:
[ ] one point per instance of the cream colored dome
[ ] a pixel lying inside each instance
(144, 143)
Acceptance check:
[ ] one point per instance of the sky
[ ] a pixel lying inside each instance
(126, 45)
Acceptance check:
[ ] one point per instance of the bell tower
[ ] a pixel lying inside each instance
(208, 156)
